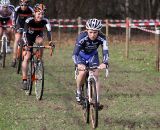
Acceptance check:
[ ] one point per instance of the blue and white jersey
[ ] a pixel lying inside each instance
(86, 48)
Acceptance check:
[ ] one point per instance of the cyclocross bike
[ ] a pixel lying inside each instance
(35, 72)
(89, 97)
(4, 43)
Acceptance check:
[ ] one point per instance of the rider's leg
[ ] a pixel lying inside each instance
(80, 80)
(27, 56)
(9, 33)
(16, 41)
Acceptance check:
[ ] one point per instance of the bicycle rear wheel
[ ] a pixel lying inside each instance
(39, 79)
(85, 104)
(4, 40)
(29, 78)
(19, 57)
(94, 106)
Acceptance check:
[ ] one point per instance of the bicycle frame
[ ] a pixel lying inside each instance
(90, 76)
(35, 55)
(36, 72)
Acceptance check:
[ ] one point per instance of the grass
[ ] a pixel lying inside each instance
(130, 95)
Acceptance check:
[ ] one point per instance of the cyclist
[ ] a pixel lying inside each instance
(6, 16)
(86, 54)
(33, 33)
(22, 12)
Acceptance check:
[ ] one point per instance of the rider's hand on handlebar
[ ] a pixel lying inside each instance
(51, 44)
(102, 66)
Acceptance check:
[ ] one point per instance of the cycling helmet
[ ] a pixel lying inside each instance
(39, 8)
(5, 2)
(94, 24)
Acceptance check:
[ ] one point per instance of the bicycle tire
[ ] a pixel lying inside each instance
(85, 103)
(94, 106)
(39, 80)
(19, 58)
(30, 73)
(4, 40)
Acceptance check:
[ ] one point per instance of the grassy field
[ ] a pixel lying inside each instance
(131, 94)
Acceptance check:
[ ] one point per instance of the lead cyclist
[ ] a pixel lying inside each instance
(85, 54)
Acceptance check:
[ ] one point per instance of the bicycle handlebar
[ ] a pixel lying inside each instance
(6, 26)
(94, 68)
(41, 46)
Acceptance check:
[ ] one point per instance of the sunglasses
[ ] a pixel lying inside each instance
(5, 6)
(23, 4)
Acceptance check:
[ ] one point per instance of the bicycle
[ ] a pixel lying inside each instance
(89, 96)
(4, 44)
(36, 72)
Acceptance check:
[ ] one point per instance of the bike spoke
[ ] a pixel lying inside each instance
(29, 78)
(85, 104)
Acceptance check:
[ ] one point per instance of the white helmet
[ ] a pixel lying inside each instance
(5, 2)
(94, 24)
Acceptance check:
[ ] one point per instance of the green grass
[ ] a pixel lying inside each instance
(131, 94)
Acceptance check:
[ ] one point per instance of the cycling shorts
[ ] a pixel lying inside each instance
(90, 62)
(6, 21)
(31, 38)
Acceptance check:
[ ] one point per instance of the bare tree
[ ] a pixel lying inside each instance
(115, 9)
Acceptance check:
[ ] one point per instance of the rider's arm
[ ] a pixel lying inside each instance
(26, 27)
(105, 51)
(49, 34)
(15, 16)
(77, 49)
(12, 8)
(14, 19)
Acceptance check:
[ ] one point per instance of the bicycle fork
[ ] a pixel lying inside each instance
(91, 76)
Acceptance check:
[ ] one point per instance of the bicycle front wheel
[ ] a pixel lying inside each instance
(94, 103)
(85, 103)
(39, 80)
(30, 73)
(4, 43)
